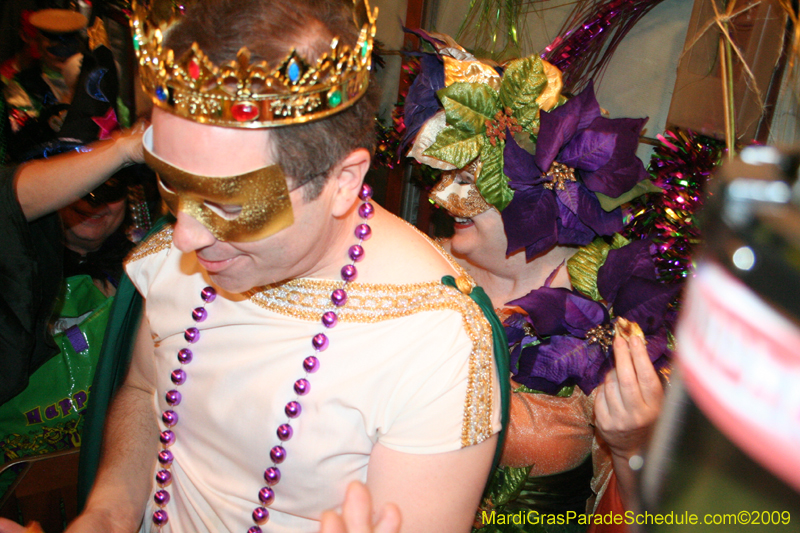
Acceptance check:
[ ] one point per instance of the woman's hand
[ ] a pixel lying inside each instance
(129, 143)
(626, 409)
(629, 400)
(356, 516)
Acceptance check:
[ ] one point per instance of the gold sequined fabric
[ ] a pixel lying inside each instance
(307, 299)
(161, 240)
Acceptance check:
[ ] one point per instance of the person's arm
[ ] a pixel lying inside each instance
(437, 493)
(46, 185)
(626, 408)
(124, 479)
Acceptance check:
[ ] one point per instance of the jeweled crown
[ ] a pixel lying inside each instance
(245, 94)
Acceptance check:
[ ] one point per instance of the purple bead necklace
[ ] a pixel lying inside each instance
(272, 475)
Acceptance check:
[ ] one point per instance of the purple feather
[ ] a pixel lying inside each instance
(421, 102)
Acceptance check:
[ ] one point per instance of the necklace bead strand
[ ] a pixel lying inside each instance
(169, 417)
(293, 409)
(311, 364)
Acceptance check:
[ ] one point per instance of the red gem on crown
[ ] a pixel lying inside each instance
(194, 70)
(244, 111)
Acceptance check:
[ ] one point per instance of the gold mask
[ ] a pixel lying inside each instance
(458, 194)
(260, 198)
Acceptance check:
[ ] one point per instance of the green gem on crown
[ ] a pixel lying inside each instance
(334, 98)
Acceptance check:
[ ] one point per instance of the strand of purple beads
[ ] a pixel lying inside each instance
(293, 409)
(169, 417)
(302, 386)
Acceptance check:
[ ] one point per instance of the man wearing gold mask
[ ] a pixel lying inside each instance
(296, 337)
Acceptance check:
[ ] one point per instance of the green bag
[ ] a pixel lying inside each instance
(47, 415)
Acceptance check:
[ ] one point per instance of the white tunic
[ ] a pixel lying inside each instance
(409, 366)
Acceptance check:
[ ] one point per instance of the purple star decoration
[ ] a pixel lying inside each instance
(602, 155)
(559, 346)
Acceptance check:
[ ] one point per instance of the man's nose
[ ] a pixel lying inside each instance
(189, 235)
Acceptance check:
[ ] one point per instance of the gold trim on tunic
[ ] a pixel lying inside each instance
(307, 298)
(156, 242)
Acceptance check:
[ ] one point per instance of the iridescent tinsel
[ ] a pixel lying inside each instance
(387, 148)
(681, 165)
(589, 37)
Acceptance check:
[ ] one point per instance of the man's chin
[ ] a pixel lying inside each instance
(232, 284)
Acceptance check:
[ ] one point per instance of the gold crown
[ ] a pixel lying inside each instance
(242, 94)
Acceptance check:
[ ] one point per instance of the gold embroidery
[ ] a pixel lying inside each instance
(307, 299)
(152, 245)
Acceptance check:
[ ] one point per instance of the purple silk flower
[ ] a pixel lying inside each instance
(565, 339)
(555, 205)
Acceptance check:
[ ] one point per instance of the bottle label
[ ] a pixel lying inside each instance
(741, 363)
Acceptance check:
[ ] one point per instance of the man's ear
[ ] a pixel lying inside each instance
(349, 175)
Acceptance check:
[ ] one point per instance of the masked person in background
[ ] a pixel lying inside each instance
(67, 225)
(524, 170)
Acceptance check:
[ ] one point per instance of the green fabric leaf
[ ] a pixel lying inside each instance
(492, 183)
(506, 484)
(643, 187)
(523, 82)
(583, 266)
(526, 141)
(457, 147)
(469, 105)
(565, 392)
